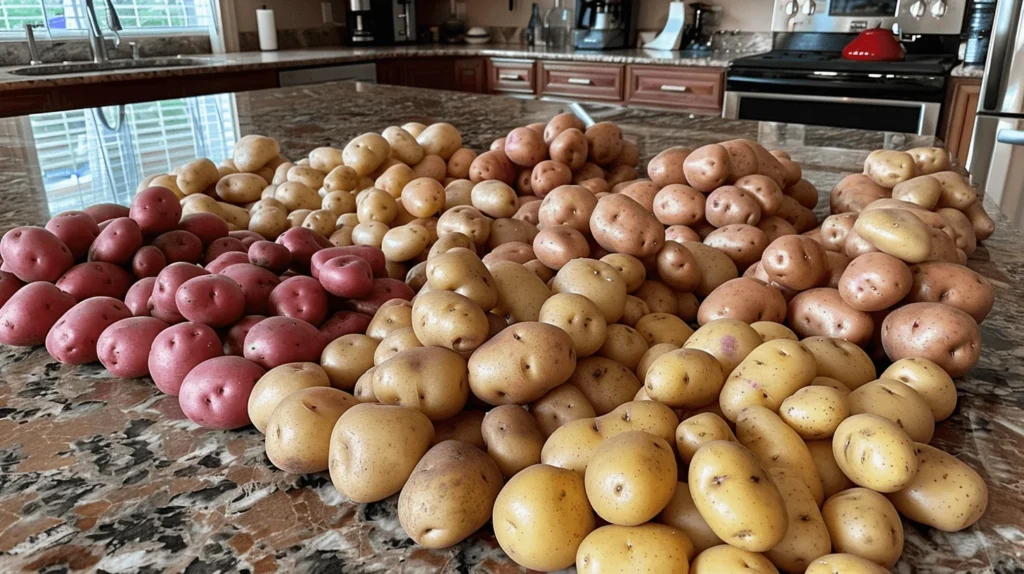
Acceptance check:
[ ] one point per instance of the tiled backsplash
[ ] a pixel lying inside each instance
(14, 53)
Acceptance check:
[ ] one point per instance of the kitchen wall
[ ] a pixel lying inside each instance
(289, 14)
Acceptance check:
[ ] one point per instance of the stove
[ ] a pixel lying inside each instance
(802, 60)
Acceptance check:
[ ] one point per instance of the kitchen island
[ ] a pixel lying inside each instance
(100, 473)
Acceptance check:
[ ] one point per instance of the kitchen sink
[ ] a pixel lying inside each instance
(124, 64)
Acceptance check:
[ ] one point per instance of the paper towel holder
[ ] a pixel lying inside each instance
(671, 36)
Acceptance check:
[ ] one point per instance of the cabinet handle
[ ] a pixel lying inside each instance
(671, 88)
(580, 81)
(510, 77)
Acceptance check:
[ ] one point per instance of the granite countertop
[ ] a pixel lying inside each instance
(241, 61)
(100, 473)
(968, 71)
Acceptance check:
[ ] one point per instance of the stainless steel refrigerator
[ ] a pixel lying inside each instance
(996, 157)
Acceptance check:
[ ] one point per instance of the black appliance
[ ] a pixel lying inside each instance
(605, 24)
(380, 22)
(695, 39)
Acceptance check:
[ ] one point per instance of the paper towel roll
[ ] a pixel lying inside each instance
(267, 29)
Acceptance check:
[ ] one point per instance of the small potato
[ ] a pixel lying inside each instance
(767, 376)
(889, 167)
(854, 192)
(620, 224)
(795, 262)
(897, 402)
(775, 227)
(466, 220)
(643, 192)
(875, 281)
(520, 293)
(391, 316)
(604, 142)
(325, 159)
(744, 244)
(546, 496)
(743, 299)
(814, 412)
(841, 360)
(823, 311)
(635, 310)
(832, 478)
(559, 406)
(863, 523)
(682, 266)
(404, 146)
(448, 319)
(423, 197)
(341, 178)
(715, 267)
(666, 168)
(775, 444)
(844, 564)
(432, 380)
(461, 271)
(632, 269)
(685, 378)
(196, 176)
(631, 478)
(394, 343)
(607, 384)
(278, 383)
(368, 463)
(769, 331)
(299, 429)
(557, 245)
(835, 229)
(513, 438)
(930, 159)
(569, 148)
(123, 347)
(596, 280)
(492, 165)
(395, 179)
(737, 497)
(365, 153)
(730, 205)
(346, 359)
(943, 334)
(710, 167)
(644, 548)
(897, 232)
(874, 452)
(405, 242)
(651, 355)
(240, 187)
(662, 299)
(946, 493)
(663, 328)
(520, 364)
(579, 317)
(295, 195)
(725, 558)
(932, 383)
(570, 205)
(561, 123)
(698, 430)
(624, 345)
(980, 221)
(679, 204)
(727, 340)
(312, 178)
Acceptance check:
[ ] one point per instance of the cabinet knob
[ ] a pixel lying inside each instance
(792, 7)
(917, 9)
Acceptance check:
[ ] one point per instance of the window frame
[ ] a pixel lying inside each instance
(45, 33)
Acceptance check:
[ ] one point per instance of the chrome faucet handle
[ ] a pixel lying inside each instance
(33, 49)
(134, 47)
(114, 23)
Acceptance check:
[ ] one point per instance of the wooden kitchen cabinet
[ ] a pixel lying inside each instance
(697, 89)
(958, 115)
(596, 82)
(440, 73)
(510, 76)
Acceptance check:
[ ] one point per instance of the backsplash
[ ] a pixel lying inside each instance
(295, 39)
(15, 53)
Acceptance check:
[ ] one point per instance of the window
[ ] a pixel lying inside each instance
(100, 155)
(63, 18)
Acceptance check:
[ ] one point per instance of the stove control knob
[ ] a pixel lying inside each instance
(792, 7)
(809, 8)
(938, 8)
(917, 9)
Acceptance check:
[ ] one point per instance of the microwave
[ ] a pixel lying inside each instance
(907, 17)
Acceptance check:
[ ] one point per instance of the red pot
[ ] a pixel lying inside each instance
(874, 45)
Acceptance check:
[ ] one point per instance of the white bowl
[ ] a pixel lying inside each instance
(477, 35)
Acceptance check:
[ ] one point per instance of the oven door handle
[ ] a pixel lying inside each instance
(837, 99)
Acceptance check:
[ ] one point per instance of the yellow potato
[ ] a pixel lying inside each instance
(841, 360)
(815, 411)
(560, 405)
(541, 517)
(391, 316)
(685, 378)
(512, 437)
(932, 383)
(521, 364)
(775, 444)
(698, 430)
(278, 383)
(624, 345)
(404, 146)
(196, 176)
(346, 358)
(844, 564)
(767, 376)
(807, 536)
(946, 493)
(727, 340)
(579, 317)
(423, 197)
(863, 523)
(631, 269)
(897, 232)
(461, 271)
(465, 427)
(682, 514)
(631, 478)
(365, 153)
(295, 195)
(396, 342)
(240, 187)
(889, 167)
(737, 496)
(725, 558)
(595, 280)
(299, 429)
(521, 294)
(874, 453)
(439, 139)
(652, 354)
(432, 380)
(663, 328)
(607, 384)
(325, 159)
(341, 178)
(253, 151)
(321, 221)
(898, 403)
(770, 330)
(312, 178)
(447, 319)
(832, 478)
(649, 548)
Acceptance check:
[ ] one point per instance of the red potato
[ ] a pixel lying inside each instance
(269, 255)
(372, 255)
(234, 339)
(249, 237)
(214, 300)
(148, 262)
(226, 260)
(303, 244)
(384, 290)
(156, 209)
(106, 211)
(257, 283)
(206, 226)
(300, 297)
(34, 254)
(177, 350)
(137, 298)
(77, 229)
(9, 285)
(123, 347)
(179, 245)
(161, 303)
(344, 323)
(222, 246)
(347, 276)
(215, 394)
(95, 279)
(72, 339)
(28, 315)
(117, 242)
(278, 340)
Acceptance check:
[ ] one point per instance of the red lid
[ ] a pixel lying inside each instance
(874, 45)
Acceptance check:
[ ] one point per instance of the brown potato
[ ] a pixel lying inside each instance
(743, 243)
(729, 204)
(525, 147)
(341, 178)
(560, 405)
(774, 227)
(513, 438)
(795, 262)
(803, 192)
(666, 168)
(897, 232)
(835, 229)
(708, 167)
(923, 191)
(439, 139)
(606, 383)
(492, 164)
(965, 238)
(622, 225)
(643, 192)
(679, 267)
(951, 284)
(569, 147)
(570, 205)
(764, 190)
(941, 333)
(458, 164)
(561, 123)
(505, 231)
(854, 192)
(823, 311)
(889, 167)
(495, 199)
(743, 299)
(604, 142)
(875, 281)
(715, 267)
(801, 218)
(557, 245)
(679, 204)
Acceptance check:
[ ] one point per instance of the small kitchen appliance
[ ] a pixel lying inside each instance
(605, 24)
(380, 22)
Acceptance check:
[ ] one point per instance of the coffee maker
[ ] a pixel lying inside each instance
(380, 22)
(605, 24)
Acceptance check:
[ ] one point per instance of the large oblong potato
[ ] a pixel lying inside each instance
(277, 383)
(807, 536)
(521, 363)
(374, 449)
(621, 225)
(841, 360)
(946, 493)
(897, 402)
(595, 280)
(432, 380)
(726, 558)
(844, 564)
(541, 517)
(631, 478)
(448, 319)
(767, 376)
(863, 523)
(929, 380)
(737, 496)
(775, 444)
(940, 333)
(449, 495)
(874, 453)
(512, 437)
(299, 429)
(461, 271)
(897, 232)
(645, 548)
(685, 378)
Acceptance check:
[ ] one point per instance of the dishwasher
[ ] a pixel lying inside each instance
(364, 72)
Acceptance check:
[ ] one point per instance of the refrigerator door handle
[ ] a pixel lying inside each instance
(1012, 137)
(1003, 34)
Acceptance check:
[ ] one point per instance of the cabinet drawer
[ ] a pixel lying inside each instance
(586, 81)
(690, 88)
(515, 76)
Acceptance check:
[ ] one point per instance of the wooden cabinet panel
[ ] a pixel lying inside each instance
(470, 75)
(961, 107)
(584, 81)
(687, 88)
(511, 76)
(440, 73)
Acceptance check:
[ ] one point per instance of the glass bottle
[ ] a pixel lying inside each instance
(559, 23)
(535, 29)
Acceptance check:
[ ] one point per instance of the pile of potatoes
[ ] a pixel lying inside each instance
(509, 337)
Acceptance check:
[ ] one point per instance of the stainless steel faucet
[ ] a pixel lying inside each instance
(33, 50)
(97, 40)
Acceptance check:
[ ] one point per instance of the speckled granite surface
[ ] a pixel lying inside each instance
(104, 474)
(968, 71)
(241, 61)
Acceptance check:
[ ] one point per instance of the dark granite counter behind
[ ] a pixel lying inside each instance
(100, 473)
